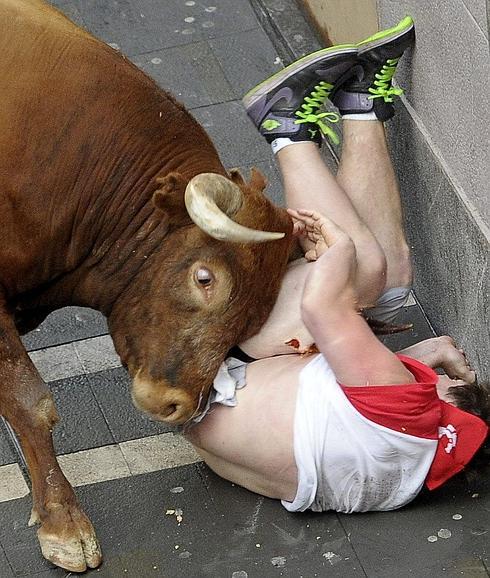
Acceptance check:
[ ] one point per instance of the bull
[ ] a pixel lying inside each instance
(113, 197)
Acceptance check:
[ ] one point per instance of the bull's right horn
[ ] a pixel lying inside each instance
(209, 199)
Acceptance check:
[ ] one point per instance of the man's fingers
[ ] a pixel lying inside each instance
(311, 255)
(319, 224)
(298, 229)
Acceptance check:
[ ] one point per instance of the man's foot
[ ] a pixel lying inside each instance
(287, 104)
(442, 352)
(372, 90)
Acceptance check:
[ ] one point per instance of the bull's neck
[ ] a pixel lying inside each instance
(128, 228)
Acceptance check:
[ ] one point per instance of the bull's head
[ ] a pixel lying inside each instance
(210, 285)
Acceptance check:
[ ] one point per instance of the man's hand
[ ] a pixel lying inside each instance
(330, 283)
(319, 232)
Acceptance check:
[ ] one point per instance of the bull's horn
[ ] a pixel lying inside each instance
(209, 199)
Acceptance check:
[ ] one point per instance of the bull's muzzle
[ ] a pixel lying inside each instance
(162, 402)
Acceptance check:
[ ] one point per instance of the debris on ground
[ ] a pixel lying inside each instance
(278, 561)
(178, 513)
(332, 557)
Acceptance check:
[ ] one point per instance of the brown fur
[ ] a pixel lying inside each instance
(87, 142)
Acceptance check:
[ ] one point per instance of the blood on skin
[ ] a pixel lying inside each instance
(295, 344)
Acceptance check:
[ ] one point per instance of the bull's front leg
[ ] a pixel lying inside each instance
(66, 536)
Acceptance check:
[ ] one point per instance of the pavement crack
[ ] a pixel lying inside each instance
(348, 535)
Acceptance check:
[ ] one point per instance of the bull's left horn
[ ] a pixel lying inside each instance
(209, 199)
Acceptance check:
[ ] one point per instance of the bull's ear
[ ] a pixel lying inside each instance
(169, 198)
(257, 179)
(236, 177)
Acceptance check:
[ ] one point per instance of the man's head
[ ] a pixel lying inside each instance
(475, 399)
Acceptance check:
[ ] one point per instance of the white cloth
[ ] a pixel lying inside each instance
(360, 116)
(389, 304)
(346, 462)
(230, 377)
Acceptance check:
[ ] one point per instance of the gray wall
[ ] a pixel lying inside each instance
(440, 144)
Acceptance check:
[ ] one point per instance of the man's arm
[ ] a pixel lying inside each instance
(329, 309)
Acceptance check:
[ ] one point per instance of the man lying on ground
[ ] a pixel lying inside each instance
(354, 427)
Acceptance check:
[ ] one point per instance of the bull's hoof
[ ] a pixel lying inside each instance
(67, 539)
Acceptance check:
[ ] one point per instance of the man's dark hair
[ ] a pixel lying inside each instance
(475, 399)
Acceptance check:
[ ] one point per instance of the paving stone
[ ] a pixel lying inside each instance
(5, 569)
(111, 389)
(139, 538)
(132, 26)
(259, 530)
(158, 452)
(285, 22)
(399, 539)
(146, 25)
(94, 466)
(66, 325)
(7, 454)
(219, 17)
(191, 73)
(97, 354)
(137, 534)
(19, 542)
(421, 329)
(69, 9)
(82, 424)
(12, 483)
(69, 359)
(55, 363)
(233, 134)
(247, 59)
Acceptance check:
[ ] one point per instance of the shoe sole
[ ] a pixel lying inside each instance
(387, 36)
(275, 80)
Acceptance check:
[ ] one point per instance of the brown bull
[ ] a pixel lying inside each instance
(97, 165)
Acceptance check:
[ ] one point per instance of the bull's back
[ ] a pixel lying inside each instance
(78, 124)
(44, 75)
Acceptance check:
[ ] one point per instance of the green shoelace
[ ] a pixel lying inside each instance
(309, 111)
(383, 87)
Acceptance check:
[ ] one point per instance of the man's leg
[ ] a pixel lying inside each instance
(286, 110)
(308, 183)
(366, 171)
(367, 176)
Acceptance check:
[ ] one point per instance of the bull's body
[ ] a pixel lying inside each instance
(84, 136)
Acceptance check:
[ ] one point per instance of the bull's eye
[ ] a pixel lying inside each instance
(204, 277)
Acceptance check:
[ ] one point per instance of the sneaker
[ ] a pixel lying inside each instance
(378, 55)
(287, 104)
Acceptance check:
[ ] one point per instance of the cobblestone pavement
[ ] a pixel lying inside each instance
(132, 475)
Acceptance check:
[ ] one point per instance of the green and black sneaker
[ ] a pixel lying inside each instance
(378, 55)
(288, 103)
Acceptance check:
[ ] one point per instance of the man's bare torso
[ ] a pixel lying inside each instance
(284, 331)
(254, 440)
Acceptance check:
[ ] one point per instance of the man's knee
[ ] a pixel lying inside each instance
(371, 272)
(403, 276)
